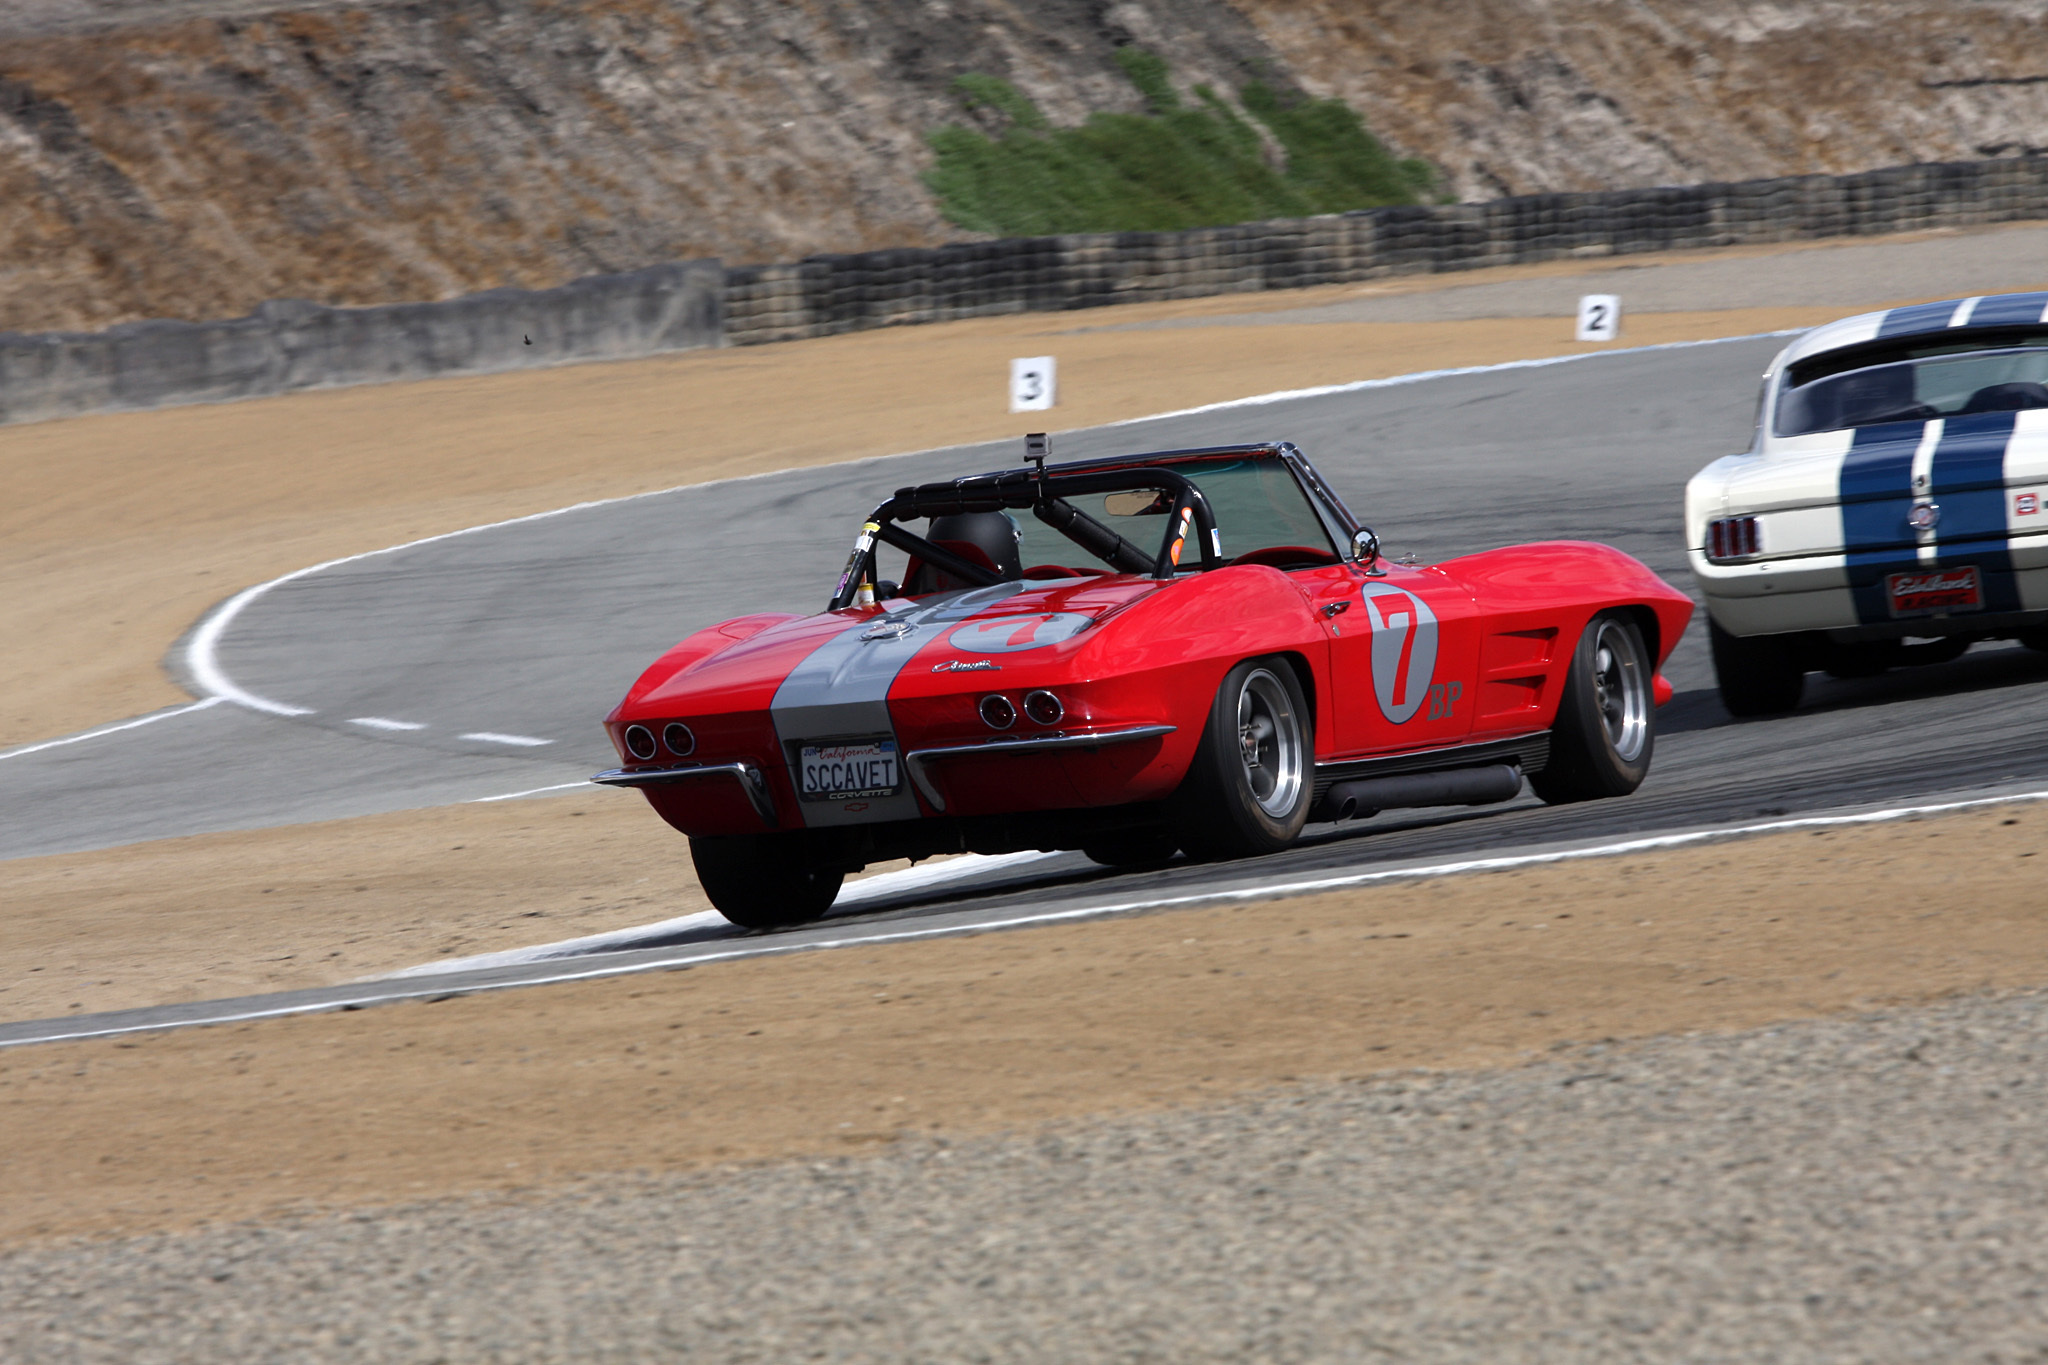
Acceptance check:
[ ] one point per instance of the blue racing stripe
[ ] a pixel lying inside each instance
(1968, 482)
(1876, 492)
(1921, 317)
(2005, 310)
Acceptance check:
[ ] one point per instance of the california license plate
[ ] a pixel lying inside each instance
(1934, 592)
(847, 769)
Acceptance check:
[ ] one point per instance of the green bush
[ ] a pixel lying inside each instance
(1173, 167)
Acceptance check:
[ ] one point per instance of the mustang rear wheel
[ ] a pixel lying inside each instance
(763, 881)
(1760, 675)
(1606, 720)
(1248, 789)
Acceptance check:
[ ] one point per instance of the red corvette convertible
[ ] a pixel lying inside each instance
(1186, 651)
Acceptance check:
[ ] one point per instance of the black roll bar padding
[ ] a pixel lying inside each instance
(1092, 536)
(938, 556)
(1184, 492)
(1018, 489)
(910, 543)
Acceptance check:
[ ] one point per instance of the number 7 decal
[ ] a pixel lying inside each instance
(1403, 649)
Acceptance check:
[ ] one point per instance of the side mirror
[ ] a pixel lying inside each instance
(1365, 548)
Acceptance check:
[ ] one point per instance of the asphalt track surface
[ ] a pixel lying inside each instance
(531, 630)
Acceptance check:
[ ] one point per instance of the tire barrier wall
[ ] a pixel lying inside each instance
(829, 294)
(292, 344)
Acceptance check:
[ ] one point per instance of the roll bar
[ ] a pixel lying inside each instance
(1045, 493)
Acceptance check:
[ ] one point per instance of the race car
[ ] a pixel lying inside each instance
(1182, 651)
(1890, 509)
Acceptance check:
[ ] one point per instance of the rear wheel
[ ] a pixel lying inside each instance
(1137, 848)
(2036, 640)
(763, 881)
(1760, 675)
(1248, 789)
(1607, 719)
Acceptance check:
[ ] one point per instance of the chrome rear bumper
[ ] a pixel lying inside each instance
(751, 779)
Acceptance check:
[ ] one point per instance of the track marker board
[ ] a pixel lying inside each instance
(1033, 384)
(1599, 317)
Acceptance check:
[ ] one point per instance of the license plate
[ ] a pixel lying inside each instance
(847, 769)
(1934, 592)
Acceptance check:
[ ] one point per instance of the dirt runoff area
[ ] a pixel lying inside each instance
(840, 1051)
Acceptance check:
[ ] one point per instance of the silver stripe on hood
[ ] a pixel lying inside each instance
(841, 690)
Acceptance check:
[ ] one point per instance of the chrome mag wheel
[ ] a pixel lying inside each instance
(1269, 743)
(1621, 689)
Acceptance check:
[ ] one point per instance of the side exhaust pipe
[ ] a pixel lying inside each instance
(1363, 796)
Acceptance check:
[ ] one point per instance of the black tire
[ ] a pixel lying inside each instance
(1606, 724)
(763, 881)
(1134, 849)
(1760, 675)
(1248, 789)
(2036, 640)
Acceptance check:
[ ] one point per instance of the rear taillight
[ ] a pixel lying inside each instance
(1733, 538)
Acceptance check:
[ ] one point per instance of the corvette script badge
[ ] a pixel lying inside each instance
(978, 666)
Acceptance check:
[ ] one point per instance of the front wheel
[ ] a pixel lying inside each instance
(1606, 719)
(1248, 789)
(763, 881)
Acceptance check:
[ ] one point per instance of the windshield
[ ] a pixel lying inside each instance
(1257, 502)
(1917, 390)
(1260, 507)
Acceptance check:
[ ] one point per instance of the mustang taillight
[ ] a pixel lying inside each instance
(1733, 538)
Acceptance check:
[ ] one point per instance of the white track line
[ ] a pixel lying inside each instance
(150, 719)
(493, 737)
(1419, 376)
(201, 652)
(933, 874)
(1259, 892)
(892, 882)
(530, 791)
(386, 723)
(625, 940)
(618, 940)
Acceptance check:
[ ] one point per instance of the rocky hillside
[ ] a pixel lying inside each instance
(191, 158)
(1524, 96)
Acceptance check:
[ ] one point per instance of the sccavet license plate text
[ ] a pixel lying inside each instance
(846, 771)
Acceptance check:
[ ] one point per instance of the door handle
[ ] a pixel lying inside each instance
(1336, 608)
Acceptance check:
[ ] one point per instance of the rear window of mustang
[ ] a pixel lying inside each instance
(1914, 380)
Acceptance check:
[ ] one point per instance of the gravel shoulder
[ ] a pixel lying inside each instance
(819, 1054)
(1865, 1189)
